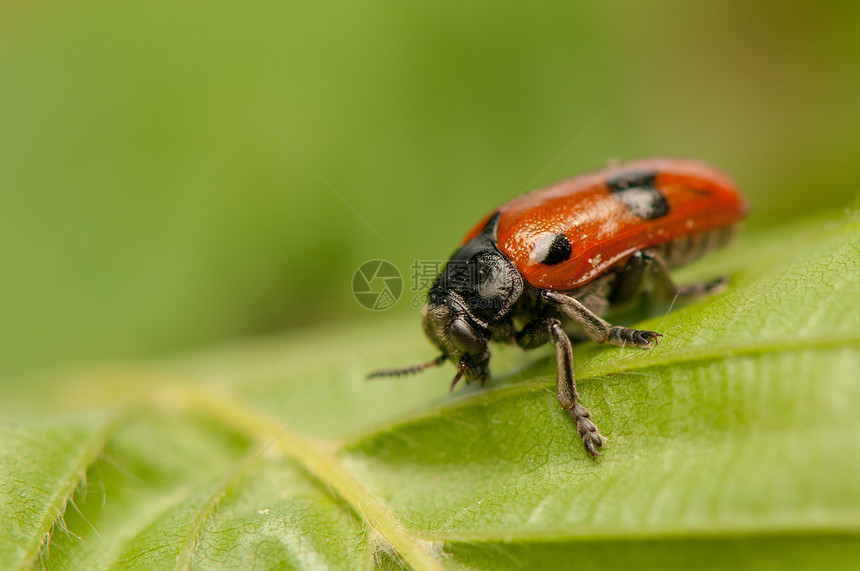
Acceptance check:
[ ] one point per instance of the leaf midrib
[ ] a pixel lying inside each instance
(718, 351)
(850, 526)
(587, 372)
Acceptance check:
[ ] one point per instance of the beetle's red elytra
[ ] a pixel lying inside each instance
(558, 258)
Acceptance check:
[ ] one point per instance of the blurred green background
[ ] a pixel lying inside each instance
(148, 206)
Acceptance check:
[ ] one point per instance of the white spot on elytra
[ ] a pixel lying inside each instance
(540, 250)
(639, 200)
(595, 260)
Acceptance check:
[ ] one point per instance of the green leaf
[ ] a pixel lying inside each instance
(735, 442)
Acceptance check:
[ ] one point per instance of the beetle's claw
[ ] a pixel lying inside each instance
(592, 442)
(646, 339)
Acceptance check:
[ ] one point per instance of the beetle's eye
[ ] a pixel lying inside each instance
(465, 338)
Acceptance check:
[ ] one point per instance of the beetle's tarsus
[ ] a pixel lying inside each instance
(718, 285)
(591, 437)
(624, 336)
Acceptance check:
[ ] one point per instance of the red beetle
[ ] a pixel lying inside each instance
(562, 256)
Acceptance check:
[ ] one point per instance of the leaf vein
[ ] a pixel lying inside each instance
(53, 511)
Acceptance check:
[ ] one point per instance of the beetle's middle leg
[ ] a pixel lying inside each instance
(642, 267)
(546, 329)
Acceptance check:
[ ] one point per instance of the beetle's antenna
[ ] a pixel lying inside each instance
(461, 368)
(410, 370)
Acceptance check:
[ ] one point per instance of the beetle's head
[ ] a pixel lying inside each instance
(473, 294)
(449, 325)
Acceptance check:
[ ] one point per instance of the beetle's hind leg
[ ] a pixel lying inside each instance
(598, 329)
(650, 265)
(535, 334)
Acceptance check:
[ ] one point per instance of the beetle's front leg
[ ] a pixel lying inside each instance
(541, 331)
(598, 329)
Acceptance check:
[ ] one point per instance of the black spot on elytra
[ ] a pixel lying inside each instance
(637, 190)
(559, 250)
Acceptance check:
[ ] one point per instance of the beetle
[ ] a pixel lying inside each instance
(558, 258)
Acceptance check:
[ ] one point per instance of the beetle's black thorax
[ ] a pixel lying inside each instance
(485, 283)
